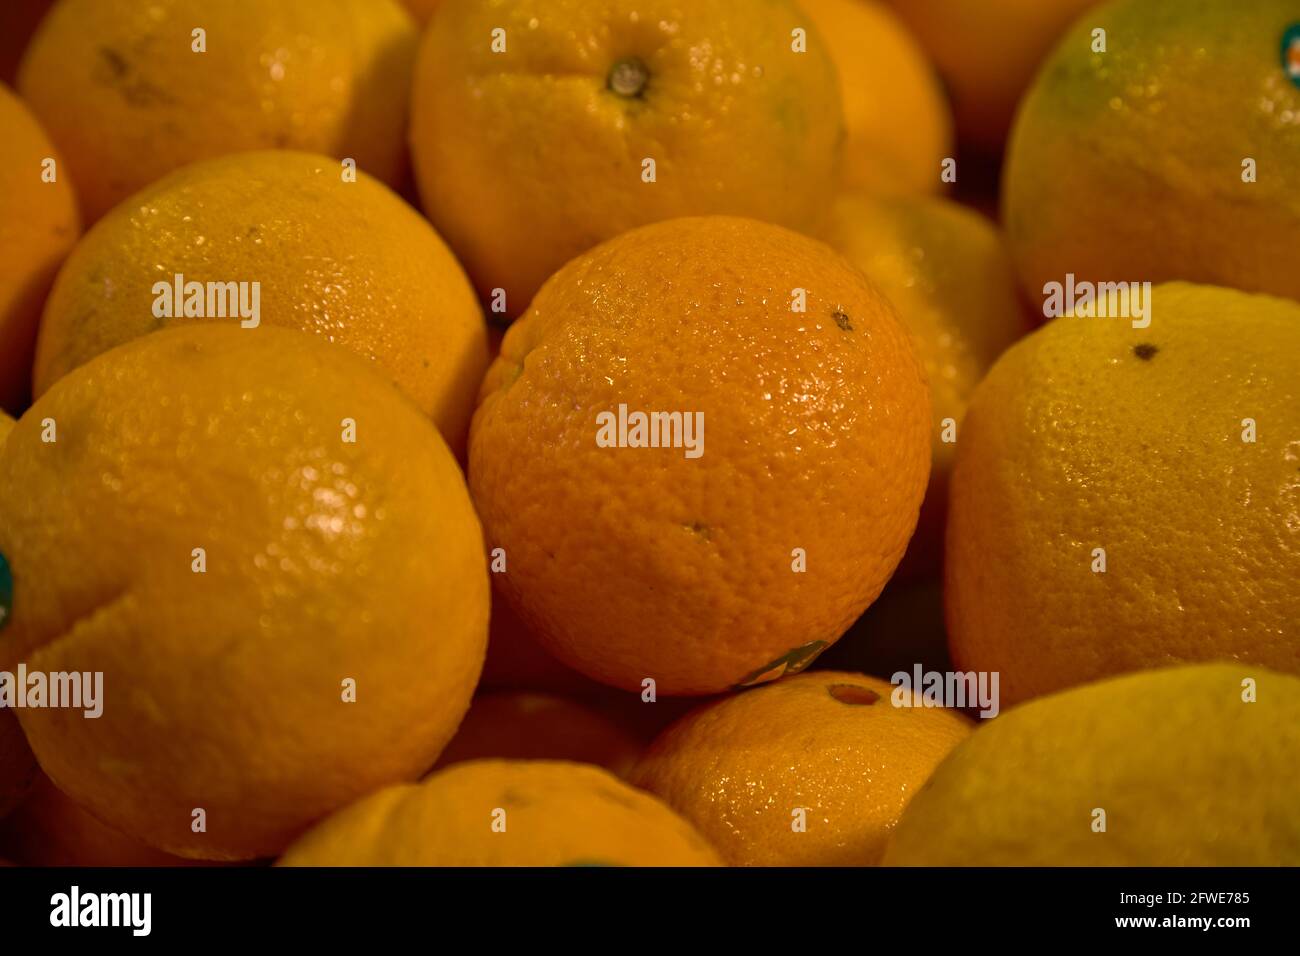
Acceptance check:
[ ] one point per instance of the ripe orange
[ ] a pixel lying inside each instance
(532, 121)
(744, 562)
(127, 98)
(810, 771)
(1126, 497)
(506, 813)
(348, 261)
(987, 52)
(1172, 155)
(522, 725)
(271, 557)
(38, 226)
(898, 121)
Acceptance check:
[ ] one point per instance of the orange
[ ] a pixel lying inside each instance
(50, 829)
(810, 771)
(506, 813)
(987, 52)
(1170, 156)
(898, 121)
(127, 98)
(528, 156)
(522, 725)
(1181, 766)
(347, 260)
(1126, 497)
(271, 557)
(38, 226)
(702, 565)
(945, 269)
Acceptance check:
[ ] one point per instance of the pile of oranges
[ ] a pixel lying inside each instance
(625, 432)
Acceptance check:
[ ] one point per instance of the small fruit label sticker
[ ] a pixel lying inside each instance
(1291, 53)
(6, 592)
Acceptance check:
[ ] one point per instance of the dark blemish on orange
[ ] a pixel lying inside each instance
(842, 320)
(115, 62)
(1146, 352)
(853, 695)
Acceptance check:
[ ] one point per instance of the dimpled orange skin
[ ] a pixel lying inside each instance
(128, 101)
(634, 563)
(39, 224)
(1074, 442)
(898, 121)
(555, 814)
(527, 158)
(347, 260)
(225, 689)
(828, 742)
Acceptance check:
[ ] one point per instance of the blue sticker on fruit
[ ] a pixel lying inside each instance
(1291, 52)
(6, 592)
